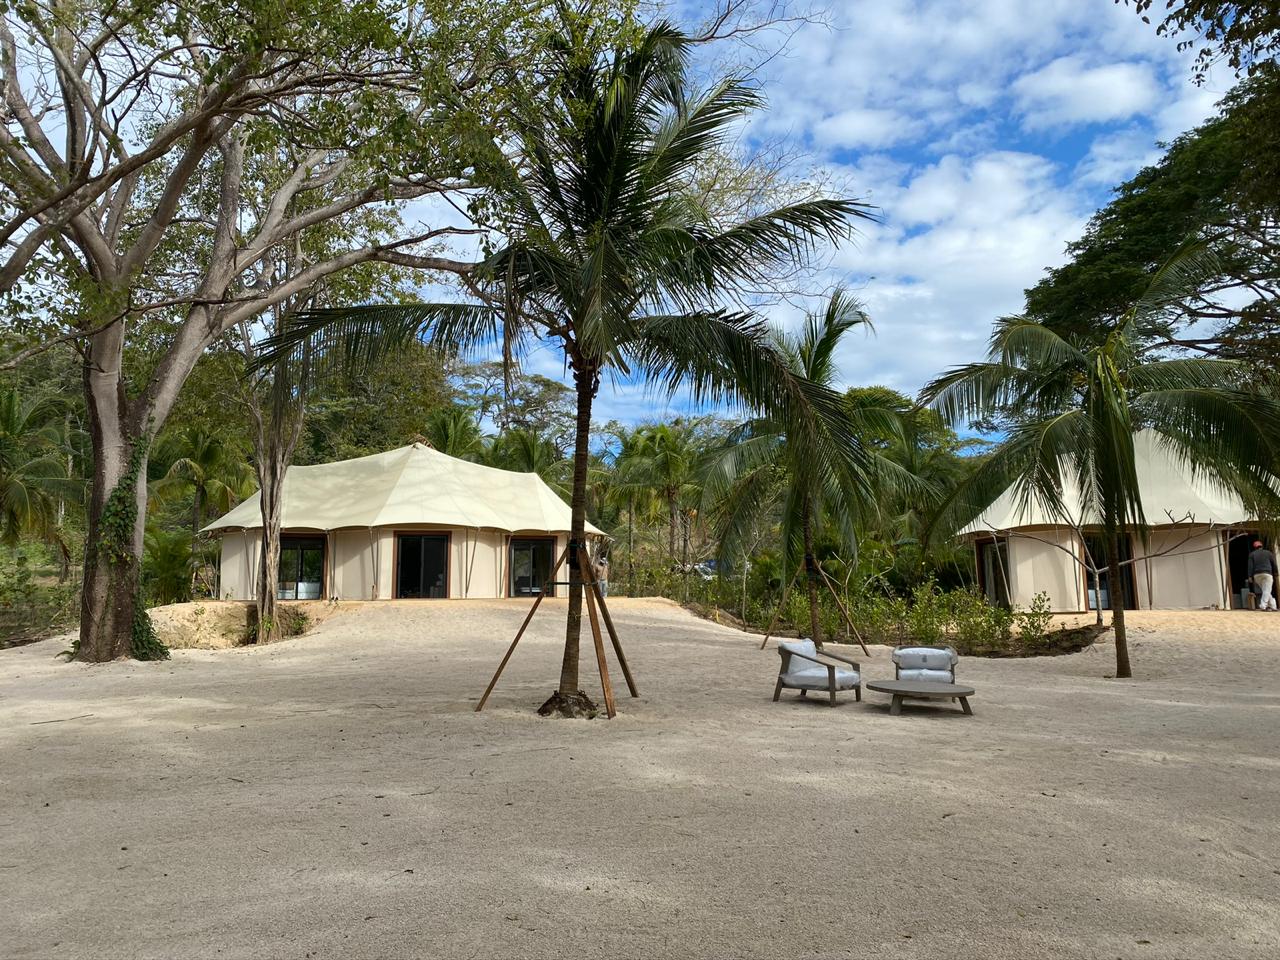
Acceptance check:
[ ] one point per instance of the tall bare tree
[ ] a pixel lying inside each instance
(126, 155)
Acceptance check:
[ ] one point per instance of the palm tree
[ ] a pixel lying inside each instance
(1070, 408)
(525, 450)
(33, 470)
(168, 565)
(210, 467)
(613, 256)
(926, 449)
(664, 460)
(821, 498)
(454, 431)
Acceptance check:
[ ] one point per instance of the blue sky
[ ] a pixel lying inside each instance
(986, 131)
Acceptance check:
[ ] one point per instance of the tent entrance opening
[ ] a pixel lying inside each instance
(993, 571)
(531, 561)
(422, 566)
(301, 570)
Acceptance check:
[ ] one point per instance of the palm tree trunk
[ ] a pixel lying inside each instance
(1117, 608)
(569, 699)
(671, 527)
(684, 554)
(195, 512)
(807, 526)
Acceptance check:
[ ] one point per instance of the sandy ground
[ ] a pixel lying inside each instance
(335, 796)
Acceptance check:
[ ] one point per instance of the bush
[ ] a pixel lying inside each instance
(33, 603)
(1033, 623)
(979, 626)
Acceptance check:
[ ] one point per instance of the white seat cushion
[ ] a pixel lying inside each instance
(936, 676)
(819, 679)
(924, 658)
(806, 675)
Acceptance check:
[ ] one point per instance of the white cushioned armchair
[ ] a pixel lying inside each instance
(936, 664)
(805, 668)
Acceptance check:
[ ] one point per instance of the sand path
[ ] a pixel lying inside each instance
(335, 796)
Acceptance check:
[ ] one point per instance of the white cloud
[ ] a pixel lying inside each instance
(862, 127)
(1114, 158)
(974, 232)
(1067, 92)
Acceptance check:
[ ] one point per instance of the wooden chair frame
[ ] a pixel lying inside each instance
(831, 673)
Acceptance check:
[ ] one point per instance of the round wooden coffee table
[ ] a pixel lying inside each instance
(921, 690)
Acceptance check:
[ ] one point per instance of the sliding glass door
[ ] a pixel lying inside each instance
(531, 559)
(301, 568)
(422, 566)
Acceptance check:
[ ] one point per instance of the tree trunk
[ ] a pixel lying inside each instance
(113, 541)
(814, 630)
(1117, 609)
(684, 554)
(671, 527)
(271, 481)
(631, 544)
(196, 512)
(277, 438)
(569, 700)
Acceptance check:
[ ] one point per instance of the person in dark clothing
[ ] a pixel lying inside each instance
(1263, 572)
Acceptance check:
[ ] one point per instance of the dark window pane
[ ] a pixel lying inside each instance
(422, 566)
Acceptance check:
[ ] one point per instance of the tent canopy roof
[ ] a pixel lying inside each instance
(409, 485)
(1171, 491)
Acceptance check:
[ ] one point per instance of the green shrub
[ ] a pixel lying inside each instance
(33, 603)
(928, 617)
(1034, 622)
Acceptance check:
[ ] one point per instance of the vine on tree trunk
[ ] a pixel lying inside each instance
(143, 642)
(120, 512)
(115, 541)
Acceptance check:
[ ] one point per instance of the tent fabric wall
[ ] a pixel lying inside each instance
(360, 563)
(1179, 568)
(1038, 562)
(1183, 564)
(409, 486)
(1185, 570)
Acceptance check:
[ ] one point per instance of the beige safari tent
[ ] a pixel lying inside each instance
(1194, 557)
(411, 523)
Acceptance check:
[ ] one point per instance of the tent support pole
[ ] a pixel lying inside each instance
(520, 633)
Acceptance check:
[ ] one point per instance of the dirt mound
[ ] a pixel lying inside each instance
(219, 624)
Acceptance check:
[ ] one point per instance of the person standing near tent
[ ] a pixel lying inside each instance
(1263, 572)
(602, 574)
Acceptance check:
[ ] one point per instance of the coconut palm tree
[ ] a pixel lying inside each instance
(1070, 408)
(34, 476)
(209, 467)
(525, 450)
(821, 497)
(454, 431)
(612, 255)
(664, 460)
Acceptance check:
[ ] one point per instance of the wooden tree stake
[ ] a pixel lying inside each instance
(520, 633)
(588, 581)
